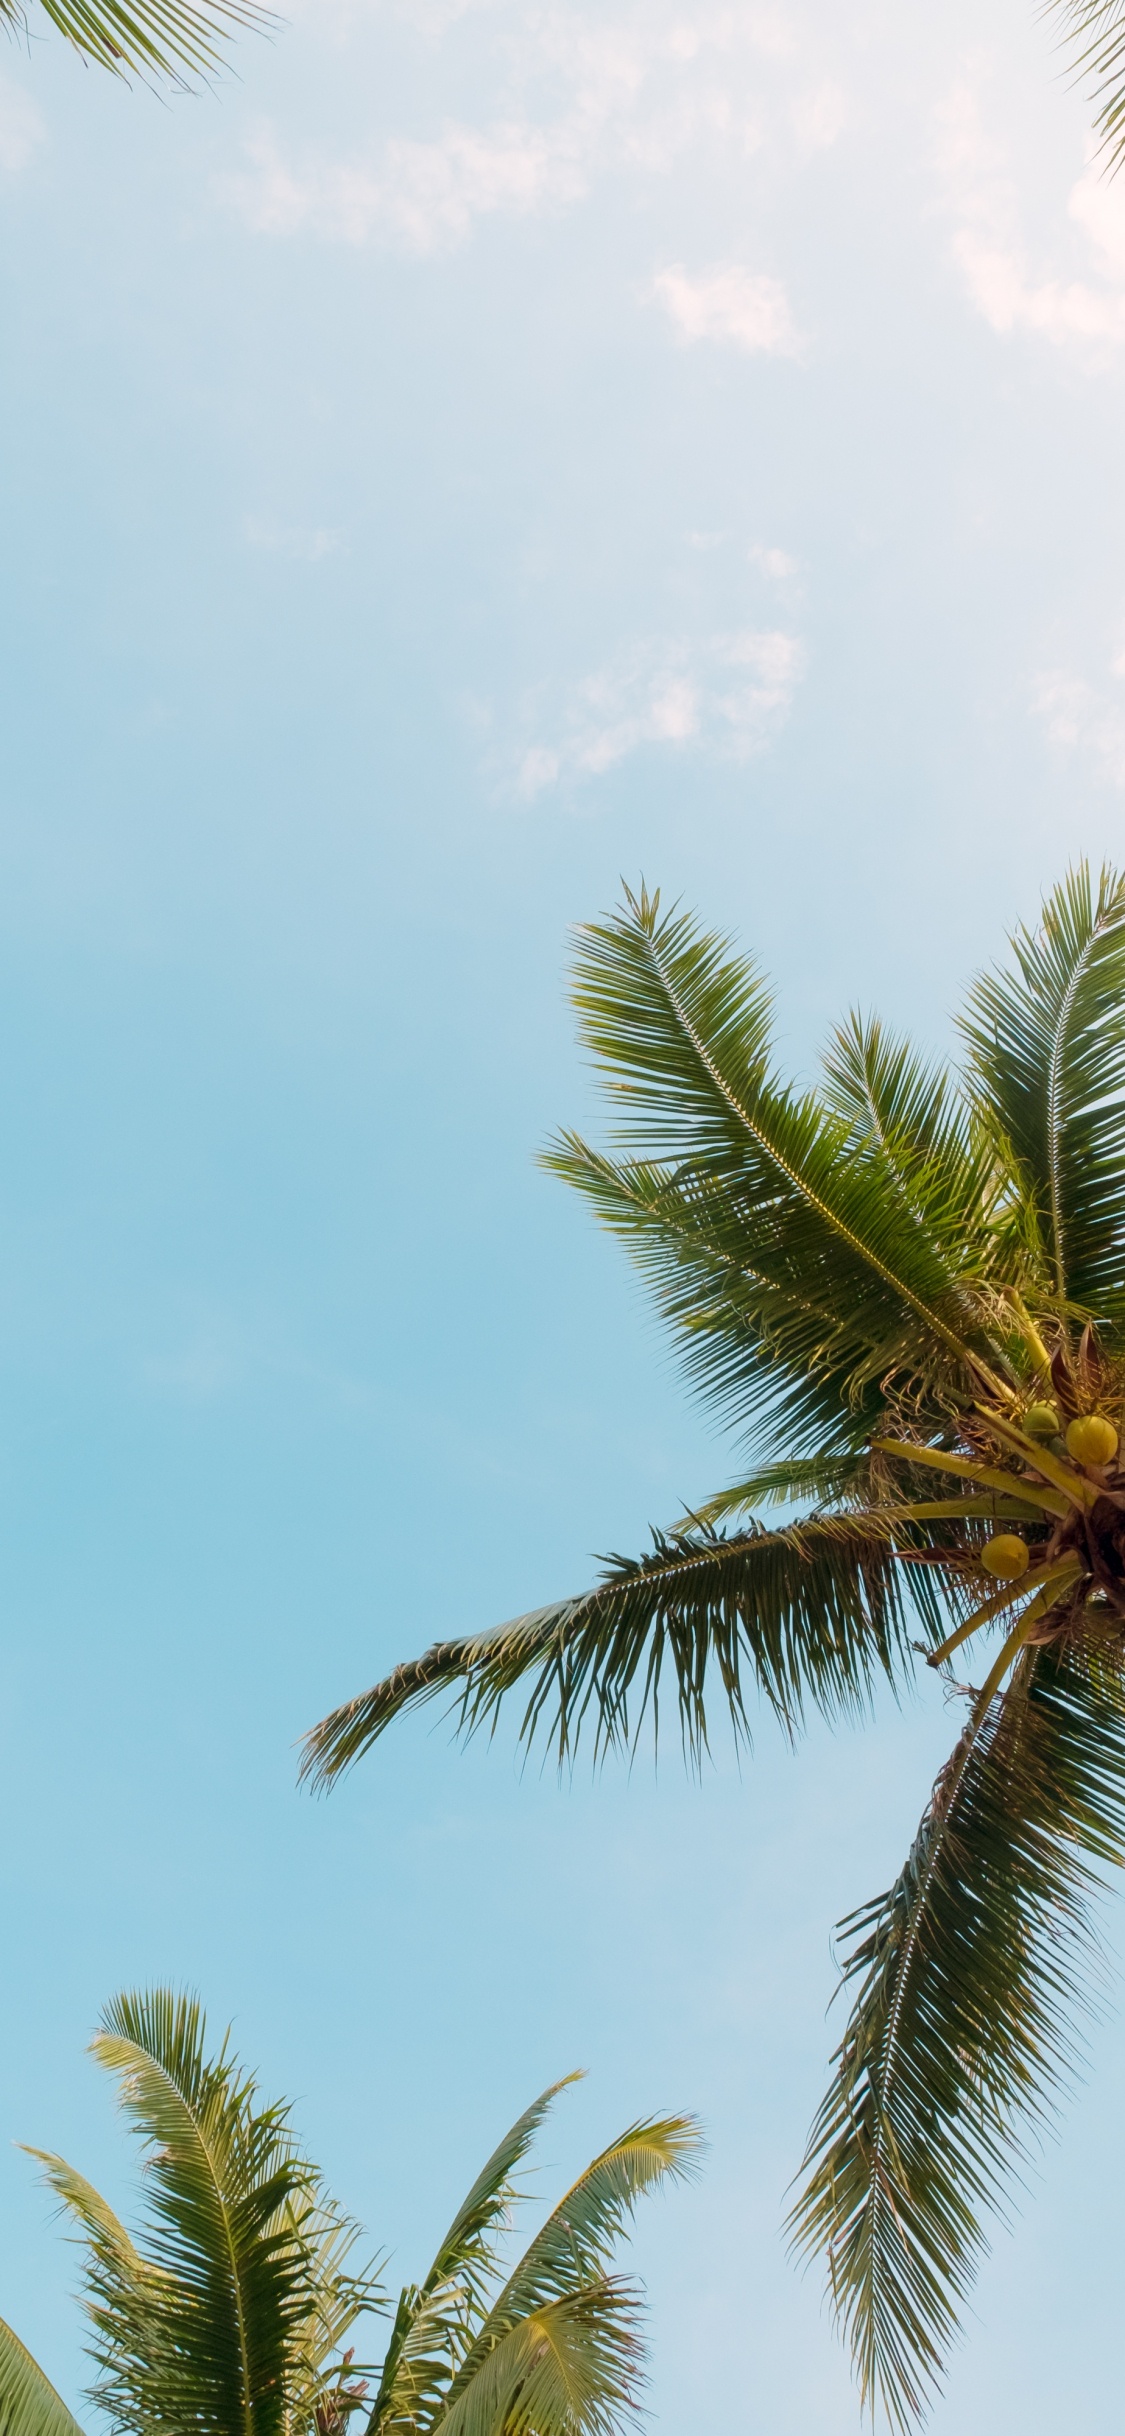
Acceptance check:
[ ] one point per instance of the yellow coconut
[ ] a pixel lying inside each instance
(1091, 1440)
(1007, 1556)
(1041, 1421)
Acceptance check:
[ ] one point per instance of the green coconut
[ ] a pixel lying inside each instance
(1041, 1421)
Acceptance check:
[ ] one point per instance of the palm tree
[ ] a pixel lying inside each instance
(174, 39)
(908, 1292)
(230, 2312)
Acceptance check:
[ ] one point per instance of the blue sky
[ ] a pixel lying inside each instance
(478, 452)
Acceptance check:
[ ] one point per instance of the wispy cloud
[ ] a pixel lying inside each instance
(728, 695)
(1086, 720)
(21, 128)
(1076, 297)
(309, 542)
(742, 308)
(579, 96)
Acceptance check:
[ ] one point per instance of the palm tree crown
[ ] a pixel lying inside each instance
(907, 1291)
(230, 2313)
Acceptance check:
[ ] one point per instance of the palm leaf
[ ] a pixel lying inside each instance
(814, 1613)
(1046, 1044)
(961, 2030)
(167, 38)
(571, 2368)
(572, 2250)
(436, 2320)
(224, 2318)
(1097, 30)
(29, 2405)
(680, 1029)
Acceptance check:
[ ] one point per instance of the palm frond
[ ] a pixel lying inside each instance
(29, 2405)
(436, 2320)
(570, 2368)
(1046, 1044)
(780, 1352)
(813, 1614)
(962, 2025)
(1096, 28)
(680, 1029)
(174, 39)
(572, 2250)
(224, 2316)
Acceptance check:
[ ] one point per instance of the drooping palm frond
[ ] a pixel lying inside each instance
(1096, 30)
(224, 2316)
(680, 1028)
(900, 1276)
(963, 2020)
(811, 1615)
(29, 2405)
(177, 40)
(1046, 1049)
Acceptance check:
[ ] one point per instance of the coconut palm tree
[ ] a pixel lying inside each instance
(171, 39)
(907, 1291)
(230, 2312)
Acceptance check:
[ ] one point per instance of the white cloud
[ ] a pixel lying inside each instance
(580, 97)
(1078, 304)
(291, 540)
(777, 564)
(1080, 718)
(745, 308)
(21, 128)
(728, 695)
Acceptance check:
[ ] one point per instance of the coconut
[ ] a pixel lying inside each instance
(1091, 1440)
(1007, 1556)
(1041, 1421)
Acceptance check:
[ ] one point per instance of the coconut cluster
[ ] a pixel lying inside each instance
(1091, 1441)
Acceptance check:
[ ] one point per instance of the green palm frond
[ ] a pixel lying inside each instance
(436, 2320)
(902, 1274)
(29, 2405)
(224, 2316)
(571, 2253)
(1046, 1044)
(680, 1028)
(814, 1614)
(571, 2368)
(1096, 29)
(174, 39)
(783, 1354)
(963, 2019)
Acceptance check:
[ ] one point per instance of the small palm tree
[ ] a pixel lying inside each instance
(174, 39)
(230, 2313)
(909, 1293)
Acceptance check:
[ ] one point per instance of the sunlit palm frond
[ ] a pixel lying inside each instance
(963, 2020)
(177, 40)
(436, 2320)
(784, 1355)
(1046, 1043)
(813, 1614)
(570, 2368)
(570, 2255)
(679, 1026)
(29, 2405)
(223, 2315)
